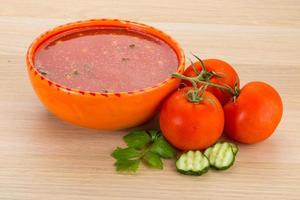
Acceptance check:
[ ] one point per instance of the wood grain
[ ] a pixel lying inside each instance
(42, 157)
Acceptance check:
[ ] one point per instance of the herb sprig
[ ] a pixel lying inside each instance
(148, 147)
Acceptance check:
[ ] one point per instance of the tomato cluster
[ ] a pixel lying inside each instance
(195, 116)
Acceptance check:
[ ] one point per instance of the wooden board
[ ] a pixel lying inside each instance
(42, 157)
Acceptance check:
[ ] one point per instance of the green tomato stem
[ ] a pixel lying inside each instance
(194, 67)
(197, 79)
(192, 95)
(204, 77)
(224, 88)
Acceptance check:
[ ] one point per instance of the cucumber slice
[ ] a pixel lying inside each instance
(192, 163)
(221, 155)
(208, 151)
(235, 148)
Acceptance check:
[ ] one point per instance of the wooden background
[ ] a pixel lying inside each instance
(42, 157)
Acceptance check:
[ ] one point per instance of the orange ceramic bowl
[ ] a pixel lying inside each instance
(102, 110)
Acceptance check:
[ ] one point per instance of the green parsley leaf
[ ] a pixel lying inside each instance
(153, 160)
(163, 148)
(147, 146)
(154, 134)
(127, 165)
(137, 139)
(125, 153)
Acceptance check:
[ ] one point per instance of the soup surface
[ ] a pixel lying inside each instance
(106, 59)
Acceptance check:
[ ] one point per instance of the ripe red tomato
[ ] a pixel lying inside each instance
(230, 77)
(254, 115)
(189, 125)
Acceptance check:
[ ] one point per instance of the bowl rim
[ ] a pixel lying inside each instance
(133, 25)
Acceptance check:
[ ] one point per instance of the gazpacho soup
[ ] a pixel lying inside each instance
(105, 59)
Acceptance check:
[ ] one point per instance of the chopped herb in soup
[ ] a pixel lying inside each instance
(106, 59)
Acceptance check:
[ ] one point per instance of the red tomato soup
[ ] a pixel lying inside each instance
(106, 59)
